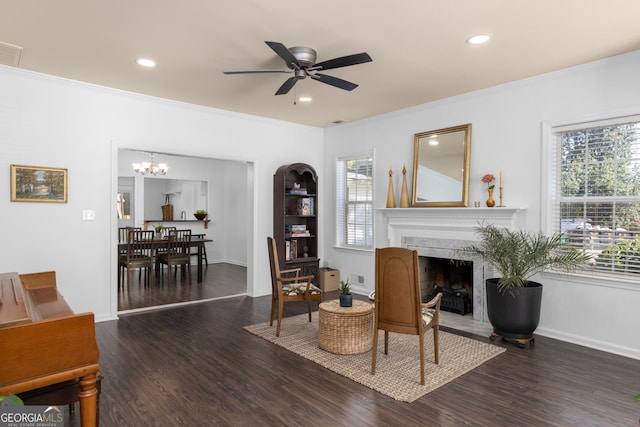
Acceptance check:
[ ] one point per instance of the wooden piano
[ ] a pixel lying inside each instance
(42, 342)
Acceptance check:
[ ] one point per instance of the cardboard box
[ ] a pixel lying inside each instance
(329, 279)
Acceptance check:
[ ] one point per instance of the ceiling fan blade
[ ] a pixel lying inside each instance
(284, 53)
(334, 81)
(286, 86)
(344, 61)
(256, 71)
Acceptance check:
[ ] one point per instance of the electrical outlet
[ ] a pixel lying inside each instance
(356, 279)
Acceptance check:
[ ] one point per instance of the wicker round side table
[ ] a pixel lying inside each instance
(345, 330)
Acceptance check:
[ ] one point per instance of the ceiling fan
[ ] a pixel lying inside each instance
(302, 62)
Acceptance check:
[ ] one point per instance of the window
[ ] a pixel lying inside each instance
(596, 193)
(354, 204)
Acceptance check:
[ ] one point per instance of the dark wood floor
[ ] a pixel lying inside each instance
(218, 280)
(194, 365)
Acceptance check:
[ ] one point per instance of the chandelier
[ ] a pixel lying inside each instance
(150, 167)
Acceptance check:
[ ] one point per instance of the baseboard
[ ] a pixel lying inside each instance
(221, 261)
(632, 353)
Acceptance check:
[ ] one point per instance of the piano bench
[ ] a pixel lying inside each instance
(64, 393)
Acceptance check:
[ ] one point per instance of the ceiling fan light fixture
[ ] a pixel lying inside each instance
(304, 99)
(479, 39)
(301, 61)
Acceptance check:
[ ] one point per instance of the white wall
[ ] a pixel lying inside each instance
(507, 122)
(46, 121)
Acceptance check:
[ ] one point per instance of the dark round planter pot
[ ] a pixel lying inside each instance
(200, 217)
(346, 300)
(514, 313)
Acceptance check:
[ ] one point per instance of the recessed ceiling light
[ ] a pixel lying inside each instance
(478, 39)
(304, 99)
(144, 62)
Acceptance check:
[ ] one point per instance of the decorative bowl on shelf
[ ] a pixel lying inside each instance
(200, 215)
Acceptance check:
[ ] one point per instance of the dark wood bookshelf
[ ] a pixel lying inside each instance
(295, 205)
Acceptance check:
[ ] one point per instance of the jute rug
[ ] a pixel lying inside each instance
(398, 373)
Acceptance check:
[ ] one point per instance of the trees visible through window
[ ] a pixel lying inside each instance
(597, 193)
(354, 191)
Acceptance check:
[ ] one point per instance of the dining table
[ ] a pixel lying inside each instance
(159, 243)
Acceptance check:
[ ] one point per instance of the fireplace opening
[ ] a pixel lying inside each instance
(453, 278)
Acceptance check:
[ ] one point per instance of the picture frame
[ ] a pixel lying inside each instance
(38, 184)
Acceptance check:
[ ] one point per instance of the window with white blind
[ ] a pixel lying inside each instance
(596, 193)
(354, 202)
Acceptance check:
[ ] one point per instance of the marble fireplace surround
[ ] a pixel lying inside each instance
(441, 232)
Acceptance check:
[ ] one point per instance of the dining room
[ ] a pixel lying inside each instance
(161, 193)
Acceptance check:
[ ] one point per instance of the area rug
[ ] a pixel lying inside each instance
(398, 373)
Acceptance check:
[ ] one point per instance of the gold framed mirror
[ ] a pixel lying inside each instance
(441, 167)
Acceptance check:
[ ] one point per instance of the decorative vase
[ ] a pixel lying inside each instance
(346, 300)
(391, 197)
(490, 202)
(404, 195)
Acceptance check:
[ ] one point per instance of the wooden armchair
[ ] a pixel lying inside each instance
(398, 304)
(288, 285)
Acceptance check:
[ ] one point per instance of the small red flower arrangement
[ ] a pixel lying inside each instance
(488, 178)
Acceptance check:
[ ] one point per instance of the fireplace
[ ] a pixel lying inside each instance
(452, 278)
(442, 232)
(447, 252)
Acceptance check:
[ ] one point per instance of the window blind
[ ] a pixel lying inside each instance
(354, 193)
(596, 205)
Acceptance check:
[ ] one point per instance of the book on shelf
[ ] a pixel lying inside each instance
(297, 191)
(294, 249)
(298, 234)
(295, 227)
(287, 250)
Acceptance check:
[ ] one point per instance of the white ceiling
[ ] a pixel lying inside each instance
(418, 47)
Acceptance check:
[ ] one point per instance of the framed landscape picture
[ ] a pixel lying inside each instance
(38, 184)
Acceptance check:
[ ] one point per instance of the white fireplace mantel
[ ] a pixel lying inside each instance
(441, 232)
(447, 223)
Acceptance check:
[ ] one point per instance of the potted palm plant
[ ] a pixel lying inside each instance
(346, 299)
(513, 300)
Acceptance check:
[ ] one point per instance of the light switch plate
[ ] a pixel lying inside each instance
(88, 215)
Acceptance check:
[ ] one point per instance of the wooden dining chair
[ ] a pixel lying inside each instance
(288, 285)
(178, 254)
(398, 303)
(123, 234)
(164, 233)
(138, 255)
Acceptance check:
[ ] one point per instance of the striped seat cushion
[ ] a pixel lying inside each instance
(427, 315)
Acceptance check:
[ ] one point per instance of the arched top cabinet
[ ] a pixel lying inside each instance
(295, 217)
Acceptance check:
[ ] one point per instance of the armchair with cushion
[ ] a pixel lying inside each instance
(398, 304)
(288, 285)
